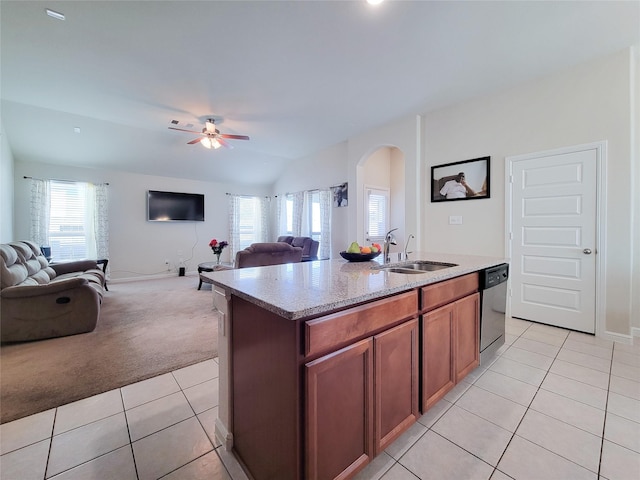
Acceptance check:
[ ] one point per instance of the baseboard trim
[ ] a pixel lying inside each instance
(224, 436)
(150, 277)
(618, 337)
(635, 334)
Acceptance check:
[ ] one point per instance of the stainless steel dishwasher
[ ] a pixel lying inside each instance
(493, 301)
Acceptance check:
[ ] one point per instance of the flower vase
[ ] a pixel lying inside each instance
(218, 258)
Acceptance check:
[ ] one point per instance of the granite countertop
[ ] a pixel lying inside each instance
(299, 290)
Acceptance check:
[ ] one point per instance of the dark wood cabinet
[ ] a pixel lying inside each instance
(396, 384)
(467, 349)
(318, 398)
(339, 412)
(450, 335)
(438, 370)
(361, 398)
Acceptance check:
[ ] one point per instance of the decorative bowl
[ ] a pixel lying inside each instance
(359, 257)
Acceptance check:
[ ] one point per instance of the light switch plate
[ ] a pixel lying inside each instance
(455, 219)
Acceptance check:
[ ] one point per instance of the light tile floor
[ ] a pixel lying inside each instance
(552, 404)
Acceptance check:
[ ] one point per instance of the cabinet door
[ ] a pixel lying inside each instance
(438, 371)
(467, 336)
(396, 382)
(339, 412)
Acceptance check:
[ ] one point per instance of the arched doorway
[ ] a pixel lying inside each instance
(383, 170)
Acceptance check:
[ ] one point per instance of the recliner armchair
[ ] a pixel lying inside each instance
(309, 246)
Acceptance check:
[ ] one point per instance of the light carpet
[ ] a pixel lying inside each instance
(146, 328)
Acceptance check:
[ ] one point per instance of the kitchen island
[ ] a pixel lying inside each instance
(324, 364)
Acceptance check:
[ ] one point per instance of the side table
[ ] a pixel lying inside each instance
(104, 262)
(211, 267)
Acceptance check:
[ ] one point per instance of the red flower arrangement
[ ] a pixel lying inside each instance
(217, 246)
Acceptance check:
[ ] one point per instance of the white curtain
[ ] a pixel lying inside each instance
(263, 210)
(40, 206)
(324, 250)
(281, 215)
(250, 216)
(234, 225)
(101, 220)
(298, 209)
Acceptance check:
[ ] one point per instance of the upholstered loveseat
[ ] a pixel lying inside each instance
(268, 253)
(39, 300)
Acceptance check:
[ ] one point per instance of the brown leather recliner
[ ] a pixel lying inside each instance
(269, 253)
(41, 300)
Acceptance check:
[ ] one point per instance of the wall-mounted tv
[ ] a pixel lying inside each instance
(174, 207)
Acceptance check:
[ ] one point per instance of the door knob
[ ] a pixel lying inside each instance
(587, 251)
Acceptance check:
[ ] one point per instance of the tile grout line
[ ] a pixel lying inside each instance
(126, 419)
(606, 405)
(53, 426)
(529, 407)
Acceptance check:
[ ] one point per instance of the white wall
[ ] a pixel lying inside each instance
(138, 247)
(587, 103)
(405, 135)
(322, 170)
(6, 189)
(635, 132)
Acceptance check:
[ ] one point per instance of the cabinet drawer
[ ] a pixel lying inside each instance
(333, 331)
(438, 294)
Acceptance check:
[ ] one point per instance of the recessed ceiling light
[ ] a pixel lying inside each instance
(374, 2)
(56, 15)
(76, 129)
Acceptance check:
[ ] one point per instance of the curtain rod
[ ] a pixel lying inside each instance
(59, 180)
(309, 191)
(241, 195)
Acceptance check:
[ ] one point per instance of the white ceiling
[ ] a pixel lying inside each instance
(295, 76)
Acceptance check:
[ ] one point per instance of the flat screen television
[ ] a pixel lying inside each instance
(174, 207)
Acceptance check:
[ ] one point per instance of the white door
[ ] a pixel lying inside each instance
(553, 238)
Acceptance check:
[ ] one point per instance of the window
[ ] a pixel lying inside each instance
(306, 214)
(313, 213)
(71, 218)
(377, 214)
(67, 229)
(248, 221)
(312, 223)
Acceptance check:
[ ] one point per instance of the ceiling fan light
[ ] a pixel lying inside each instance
(215, 143)
(206, 142)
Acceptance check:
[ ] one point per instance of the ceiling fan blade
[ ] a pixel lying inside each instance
(194, 141)
(224, 144)
(183, 130)
(233, 137)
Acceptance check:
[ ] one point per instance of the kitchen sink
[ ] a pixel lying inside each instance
(400, 270)
(428, 266)
(420, 266)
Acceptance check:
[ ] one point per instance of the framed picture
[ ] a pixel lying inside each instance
(340, 195)
(465, 180)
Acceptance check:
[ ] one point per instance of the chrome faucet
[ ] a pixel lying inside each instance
(389, 239)
(406, 254)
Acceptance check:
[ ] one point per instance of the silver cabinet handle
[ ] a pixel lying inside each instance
(587, 251)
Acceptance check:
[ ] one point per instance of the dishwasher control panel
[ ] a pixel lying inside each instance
(495, 275)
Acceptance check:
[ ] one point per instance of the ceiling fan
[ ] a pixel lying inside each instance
(211, 136)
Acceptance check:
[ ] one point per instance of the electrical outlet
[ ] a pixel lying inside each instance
(455, 220)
